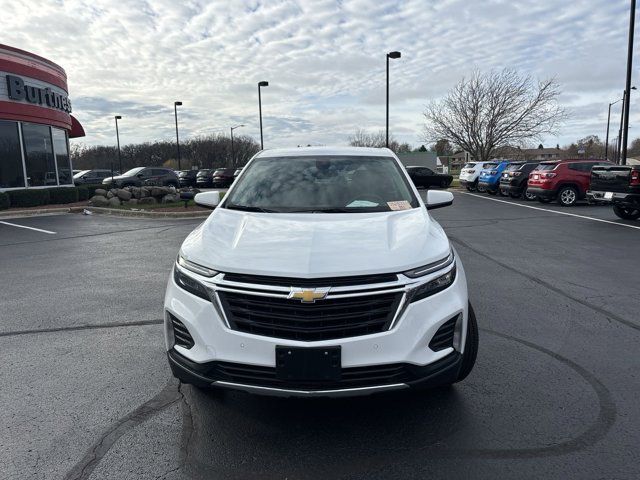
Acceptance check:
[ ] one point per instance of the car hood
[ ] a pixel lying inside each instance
(316, 245)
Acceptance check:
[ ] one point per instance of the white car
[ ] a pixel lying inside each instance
(469, 174)
(321, 273)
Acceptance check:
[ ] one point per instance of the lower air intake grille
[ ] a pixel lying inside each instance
(444, 336)
(180, 333)
(323, 320)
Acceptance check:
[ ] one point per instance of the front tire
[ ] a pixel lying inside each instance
(492, 192)
(544, 200)
(626, 213)
(444, 184)
(471, 346)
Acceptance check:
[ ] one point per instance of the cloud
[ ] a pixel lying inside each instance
(324, 60)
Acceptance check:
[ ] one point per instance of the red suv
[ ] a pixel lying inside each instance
(566, 181)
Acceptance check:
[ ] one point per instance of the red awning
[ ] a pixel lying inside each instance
(76, 128)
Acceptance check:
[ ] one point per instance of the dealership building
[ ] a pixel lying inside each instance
(35, 122)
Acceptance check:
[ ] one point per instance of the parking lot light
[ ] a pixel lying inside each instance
(261, 84)
(117, 117)
(389, 55)
(175, 110)
(233, 157)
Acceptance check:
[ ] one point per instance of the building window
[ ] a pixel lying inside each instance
(11, 172)
(62, 156)
(39, 159)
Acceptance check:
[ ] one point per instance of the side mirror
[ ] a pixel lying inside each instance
(438, 199)
(207, 199)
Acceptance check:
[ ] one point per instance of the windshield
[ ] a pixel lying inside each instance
(322, 184)
(133, 171)
(489, 165)
(514, 166)
(469, 165)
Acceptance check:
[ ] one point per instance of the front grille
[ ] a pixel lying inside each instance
(311, 282)
(323, 320)
(443, 338)
(180, 333)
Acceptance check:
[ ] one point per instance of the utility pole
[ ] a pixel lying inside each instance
(632, 20)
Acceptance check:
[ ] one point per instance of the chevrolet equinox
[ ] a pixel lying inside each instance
(321, 273)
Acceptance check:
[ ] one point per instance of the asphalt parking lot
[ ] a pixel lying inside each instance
(87, 394)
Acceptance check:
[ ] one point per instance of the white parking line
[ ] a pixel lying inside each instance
(552, 211)
(29, 228)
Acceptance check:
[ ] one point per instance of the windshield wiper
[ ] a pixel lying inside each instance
(249, 208)
(324, 210)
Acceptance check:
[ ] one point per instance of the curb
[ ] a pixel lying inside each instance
(36, 212)
(140, 214)
(43, 212)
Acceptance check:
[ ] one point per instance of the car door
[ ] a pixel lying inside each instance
(429, 177)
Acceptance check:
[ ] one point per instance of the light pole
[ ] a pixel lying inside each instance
(117, 117)
(606, 143)
(389, 55)
(622, 116)
(175, 111)
(632, 21)
(261, 84)
(233, 156)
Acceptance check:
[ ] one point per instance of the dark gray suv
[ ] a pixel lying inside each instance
(141, 176)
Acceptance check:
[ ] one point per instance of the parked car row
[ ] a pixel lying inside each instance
(208, 177)
(563, 181)
(140, 176)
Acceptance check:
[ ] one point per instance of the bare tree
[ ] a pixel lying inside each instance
(362, 138)
(493, 110)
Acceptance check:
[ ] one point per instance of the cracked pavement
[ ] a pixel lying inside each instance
(87, 393)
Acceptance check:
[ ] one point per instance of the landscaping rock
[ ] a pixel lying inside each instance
(110, 194)
(133, 201)
(100, 191)
(159, 191)
(144, 192)
(147, 201)
(123, 194)
(135, 192)
(169, 198)
(99, 201)
(114, 202)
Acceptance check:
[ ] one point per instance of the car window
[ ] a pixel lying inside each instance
(427, 171)
(323, 183)
(546, 166)
(469, 165)
(489, 165)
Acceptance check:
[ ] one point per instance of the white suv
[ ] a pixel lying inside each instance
(321, 273)
(469, 174)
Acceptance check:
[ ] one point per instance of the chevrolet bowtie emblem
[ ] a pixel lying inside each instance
(308, 295)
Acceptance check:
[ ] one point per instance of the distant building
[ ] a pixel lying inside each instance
(419, 159)
(453, 163)
(529, 154)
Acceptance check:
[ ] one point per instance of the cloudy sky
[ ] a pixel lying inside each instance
(324, 60)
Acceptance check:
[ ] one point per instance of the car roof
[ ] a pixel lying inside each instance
(319, 151)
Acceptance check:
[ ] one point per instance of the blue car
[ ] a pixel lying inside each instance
(489, 179)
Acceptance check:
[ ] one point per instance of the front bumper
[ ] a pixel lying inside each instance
(218, 349)
(263, 380)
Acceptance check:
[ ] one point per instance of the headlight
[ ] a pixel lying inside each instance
(191, 285)
(195, 268)
(434, 286)
(431, 267)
